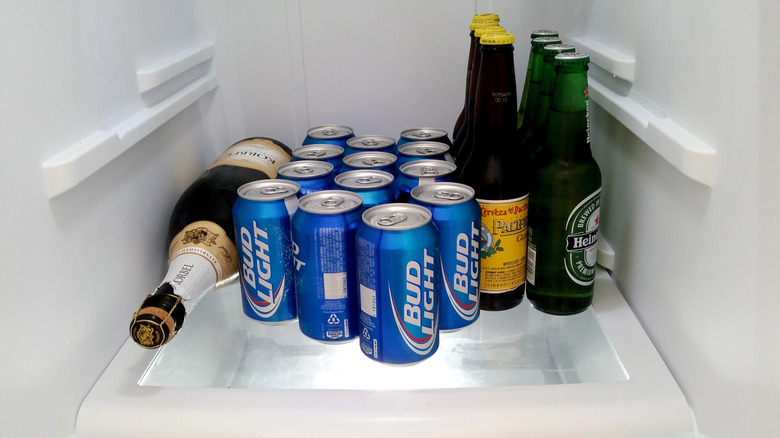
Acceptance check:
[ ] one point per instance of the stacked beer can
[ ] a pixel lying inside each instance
(363, 237)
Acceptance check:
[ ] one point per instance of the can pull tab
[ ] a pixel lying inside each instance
(393, 219)
(368, 180)
(333, 202)
(304, 170)
(428, 170)
(426, 151)
(329, 131)
(278, 190)
(450, 196)
(374, 162)
(314, 154)
(423, 134)
(370, 142)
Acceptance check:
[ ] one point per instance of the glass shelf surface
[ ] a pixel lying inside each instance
(220, 347)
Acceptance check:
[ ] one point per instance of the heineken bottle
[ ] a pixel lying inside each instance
(533, 74)
(564, 200)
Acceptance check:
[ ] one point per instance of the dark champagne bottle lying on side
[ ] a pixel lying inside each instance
(202, 253)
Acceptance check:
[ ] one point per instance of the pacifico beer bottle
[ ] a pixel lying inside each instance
(565, 199)
(495, 168)
(472, 66)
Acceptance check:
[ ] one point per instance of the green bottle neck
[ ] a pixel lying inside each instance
(568, 128)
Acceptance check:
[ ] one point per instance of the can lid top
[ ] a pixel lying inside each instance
(423, 148)
(364, 179)
(370, 159)
(268, 189)
(304, 169)
(369, 142)
(330, 202)
(572, 58)
(397, 216)
(330, 131)
(427, 168)
(317, 151)
(423, 133)
(443, 193)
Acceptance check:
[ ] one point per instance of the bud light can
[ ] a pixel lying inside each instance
(398, 271)
(311, 175)
(323, 234)
(371, 160)
(421, 172)
(330, 153)
(370, 143)
(331, 134)
(423, 150)
(423, 134)
(374, 186)
(261, 219)
(458, 217)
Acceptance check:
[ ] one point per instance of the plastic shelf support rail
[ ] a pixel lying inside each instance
(690, 155)
(77, 162)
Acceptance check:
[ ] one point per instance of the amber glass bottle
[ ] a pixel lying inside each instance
(495, 168)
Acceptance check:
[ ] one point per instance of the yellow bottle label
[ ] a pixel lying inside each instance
(209, 241)
(503, 246)
(255, 153)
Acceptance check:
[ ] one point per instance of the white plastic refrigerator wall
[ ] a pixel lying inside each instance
(110, 109)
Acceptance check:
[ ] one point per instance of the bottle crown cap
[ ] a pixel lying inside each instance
(495, 39)
(572, 58)
(544, 33)
(485, 17)
(554, 49)
(545, 40)
(478, 32)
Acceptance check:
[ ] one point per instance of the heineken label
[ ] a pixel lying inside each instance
(582, 228)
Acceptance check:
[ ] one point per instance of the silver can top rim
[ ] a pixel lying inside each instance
(327, 132)
(443, 193)
(369, 142)
(427, 168)
(305, 169)
(268, 190)
(330, 202)
(308, 152)
(358, 159)
(397, 216)
(423, 149)
(423, 133)
(364, 179)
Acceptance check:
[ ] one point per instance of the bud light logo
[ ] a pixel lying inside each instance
(462, 285)
(256, 273)
(415, 312)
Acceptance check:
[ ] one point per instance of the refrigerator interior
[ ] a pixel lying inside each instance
(112, 108)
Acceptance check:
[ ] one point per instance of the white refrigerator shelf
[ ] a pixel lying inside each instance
(510, 373)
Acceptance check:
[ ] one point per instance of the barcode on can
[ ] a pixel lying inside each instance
(335, 285)
(368, 301)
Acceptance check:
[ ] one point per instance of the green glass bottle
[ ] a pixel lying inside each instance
(532, 135)
(479, 20)
(528, 74)
(565, 199)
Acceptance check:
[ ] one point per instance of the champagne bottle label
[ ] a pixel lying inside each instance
(255, 153)
(209, 241)
(503, 244)
(582, 228)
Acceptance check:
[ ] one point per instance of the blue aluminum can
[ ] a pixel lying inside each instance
(398, 271)
(261, 219)
(374, 186)
(423, 134)
(371, 160)
(323, 234)
(312, 176)
(421, 172)
(423, 150)
(330, 153)
(331, 134)
(458, 217)
(370, 143)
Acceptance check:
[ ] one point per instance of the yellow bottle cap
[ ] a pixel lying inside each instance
(485, 17)
(495, 39)
(490, 29)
